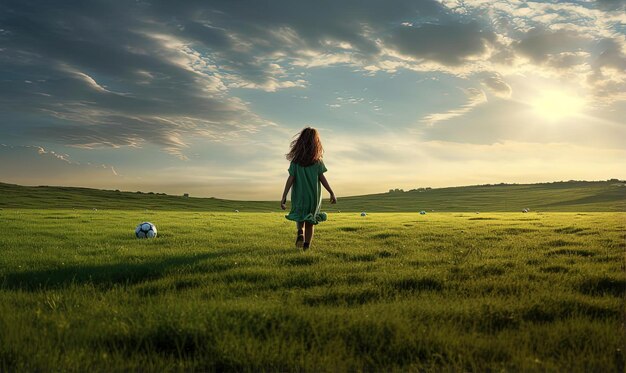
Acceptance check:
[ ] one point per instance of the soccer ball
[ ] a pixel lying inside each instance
(146, 230)
(422, 212)
(363, 214)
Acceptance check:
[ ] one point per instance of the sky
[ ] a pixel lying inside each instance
(204, 97)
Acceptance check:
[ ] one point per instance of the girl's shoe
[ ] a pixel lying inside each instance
(300, 241)
(306, 245)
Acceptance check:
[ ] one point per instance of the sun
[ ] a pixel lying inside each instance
(555, 105)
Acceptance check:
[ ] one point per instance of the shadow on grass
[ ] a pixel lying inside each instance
(599, 286)
(570, 252)
(108, 275)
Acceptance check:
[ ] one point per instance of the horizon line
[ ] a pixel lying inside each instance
(391, 190)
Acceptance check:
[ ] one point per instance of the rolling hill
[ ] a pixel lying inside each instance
(557, 196)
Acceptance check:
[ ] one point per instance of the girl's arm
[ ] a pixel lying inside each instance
(328, 188)
(288, 185)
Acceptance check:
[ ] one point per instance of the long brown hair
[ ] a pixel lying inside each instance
(307, 148)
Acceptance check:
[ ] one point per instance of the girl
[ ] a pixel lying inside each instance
(306, 172)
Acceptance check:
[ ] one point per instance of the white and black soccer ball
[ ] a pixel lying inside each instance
(422, 212)
(146, 230)
(363, 213)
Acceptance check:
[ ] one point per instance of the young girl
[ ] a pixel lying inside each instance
(306, 172)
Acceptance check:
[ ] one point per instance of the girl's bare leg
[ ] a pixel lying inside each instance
(308, 234)
(300, 237)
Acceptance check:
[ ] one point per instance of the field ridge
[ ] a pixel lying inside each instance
(556, 196)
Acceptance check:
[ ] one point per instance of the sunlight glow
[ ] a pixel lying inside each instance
(555, 105)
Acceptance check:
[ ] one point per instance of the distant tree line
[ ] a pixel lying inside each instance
(399, 190)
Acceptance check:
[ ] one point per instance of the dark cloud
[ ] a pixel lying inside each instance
(611, 55)
(540, 44)
(612, 5)
(566, 60)
(119, 73)
(449, 44)
(106, 69)
(260, 29)
(608, 69)
(313, 21)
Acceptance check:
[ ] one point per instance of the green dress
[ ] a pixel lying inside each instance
(306, 193)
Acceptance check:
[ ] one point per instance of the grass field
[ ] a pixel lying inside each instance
(390, 291)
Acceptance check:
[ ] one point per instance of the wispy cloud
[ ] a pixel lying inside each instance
(49, 167)
(475, 97)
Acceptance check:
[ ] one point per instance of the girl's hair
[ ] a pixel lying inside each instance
(306, 149)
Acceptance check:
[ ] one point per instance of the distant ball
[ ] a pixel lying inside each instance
(146, 230)
(363, 214)
(422, 212)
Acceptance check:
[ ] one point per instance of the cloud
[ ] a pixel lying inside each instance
(474, 96)
(540, 44)
(496, 84)
(608, 70)
(106, 75)
(566, 41)
(612, 5)
(35, 165)
(89, 127)
(92, 74)
(566, 60)
(449, 44)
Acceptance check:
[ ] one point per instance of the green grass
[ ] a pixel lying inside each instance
(561, 196)
(226, 291)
